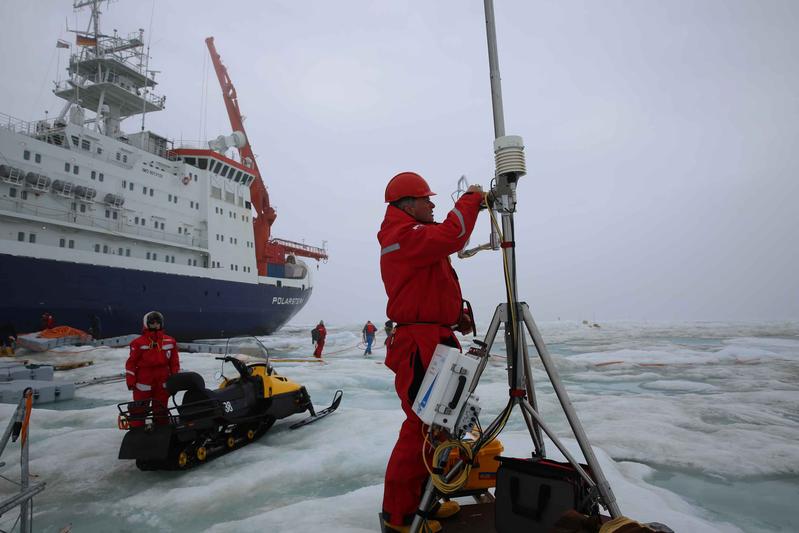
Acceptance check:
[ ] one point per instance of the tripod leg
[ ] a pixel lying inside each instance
(571, 415)
(527, 408)
(532, 423)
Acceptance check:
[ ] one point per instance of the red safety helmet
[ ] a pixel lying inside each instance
(407, 184)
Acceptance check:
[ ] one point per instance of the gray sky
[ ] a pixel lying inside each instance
(661, 137)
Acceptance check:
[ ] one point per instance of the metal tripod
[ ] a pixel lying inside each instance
(516, 316)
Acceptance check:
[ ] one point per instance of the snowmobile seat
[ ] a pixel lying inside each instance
(184, 381)
(196, 399)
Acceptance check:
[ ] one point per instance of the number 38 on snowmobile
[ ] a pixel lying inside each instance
(209, 422)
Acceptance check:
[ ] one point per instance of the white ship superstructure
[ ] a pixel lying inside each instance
(76, 190)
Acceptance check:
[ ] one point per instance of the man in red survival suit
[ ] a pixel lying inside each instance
(153, 358)
(424, 299)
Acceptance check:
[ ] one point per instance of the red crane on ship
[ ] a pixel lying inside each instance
(267, 250)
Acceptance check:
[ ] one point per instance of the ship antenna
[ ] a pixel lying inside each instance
(147, 66)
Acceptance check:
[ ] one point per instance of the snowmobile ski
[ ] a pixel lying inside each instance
(320, 414)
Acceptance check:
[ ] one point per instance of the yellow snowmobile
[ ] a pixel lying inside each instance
(206, 423)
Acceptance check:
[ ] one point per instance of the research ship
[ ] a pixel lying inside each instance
(99, 226)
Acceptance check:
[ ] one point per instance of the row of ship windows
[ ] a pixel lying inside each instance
(75, 169)
(12, 193)
(153, 256)
(231, 214)
(113, 214)
(99, 176)
(151, 191)
(26, 155)
(85, 144)
(233, 268)
(232, 240)
(221, 169)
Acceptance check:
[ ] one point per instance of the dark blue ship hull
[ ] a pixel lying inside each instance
(193, 307)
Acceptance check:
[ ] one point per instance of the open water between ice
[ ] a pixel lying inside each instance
(696, 425)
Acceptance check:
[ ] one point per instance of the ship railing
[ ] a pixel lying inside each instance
(117, 227)
(83, 82)
(39, 129)
(16, 125)
(19, 429)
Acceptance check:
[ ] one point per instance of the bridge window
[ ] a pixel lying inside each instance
(71, 243)
(38, 158)
(85, 144)
(26, 155)
(21, 236)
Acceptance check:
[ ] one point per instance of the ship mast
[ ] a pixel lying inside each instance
(107, 76)
(265, 214)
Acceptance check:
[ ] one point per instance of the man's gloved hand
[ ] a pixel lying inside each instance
(465, 324)
(488, 200)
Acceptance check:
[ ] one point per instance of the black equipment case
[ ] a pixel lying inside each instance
(531, 495)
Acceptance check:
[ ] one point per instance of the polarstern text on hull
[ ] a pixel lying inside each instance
(279, 300)
(116, 224)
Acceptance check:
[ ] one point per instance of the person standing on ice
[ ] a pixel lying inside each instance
(153, 358)
(319, 338)
(424, 299)
(368, 334)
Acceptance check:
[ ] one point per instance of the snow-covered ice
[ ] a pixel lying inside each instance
(695, 426)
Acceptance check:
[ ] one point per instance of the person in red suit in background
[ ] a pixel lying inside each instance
(321, 333)
(153, 358)
(424, 299)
